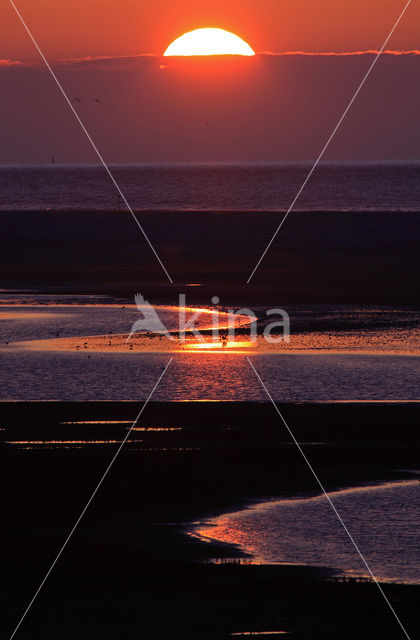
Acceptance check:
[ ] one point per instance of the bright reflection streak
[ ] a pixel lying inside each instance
(245, 344)
(43, 442)
(98, 422)
(260, 633)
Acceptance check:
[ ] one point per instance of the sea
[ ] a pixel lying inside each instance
(29, 371)
(210, 187)
(285, 531)
(356, 187)
(383, 520)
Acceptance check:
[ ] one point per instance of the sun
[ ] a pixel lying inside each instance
(209, 42)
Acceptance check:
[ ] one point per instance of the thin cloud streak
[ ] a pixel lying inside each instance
(390, 52)
(5, 62)
(374, 52)
(66, 61)
(87, 61)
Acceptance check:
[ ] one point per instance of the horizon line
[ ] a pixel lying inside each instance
(8, 62)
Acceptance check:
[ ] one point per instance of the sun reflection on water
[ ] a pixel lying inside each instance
(223, 346)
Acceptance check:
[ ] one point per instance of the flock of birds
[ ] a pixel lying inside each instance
(80, 102)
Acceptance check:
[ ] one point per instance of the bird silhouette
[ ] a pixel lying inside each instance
(150, 322)
(96, 100)
(77, 100)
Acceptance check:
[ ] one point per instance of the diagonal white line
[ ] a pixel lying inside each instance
(325, 147)
(329, 499)
(76, 524)
(98, 153)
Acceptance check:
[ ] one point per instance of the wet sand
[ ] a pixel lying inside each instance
(130, 562)
(131, 570)
(369, 343)
(319, 257)
(27, 315)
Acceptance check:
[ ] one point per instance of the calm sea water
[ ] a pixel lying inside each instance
(36, 374)
(70, 376)
(207, 187)
(383, 520)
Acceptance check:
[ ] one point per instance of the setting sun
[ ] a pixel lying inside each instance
(209, 42)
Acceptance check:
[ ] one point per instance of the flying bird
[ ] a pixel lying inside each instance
(96, 100)
(77, 100)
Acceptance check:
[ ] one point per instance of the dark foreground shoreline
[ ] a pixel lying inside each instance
(130, 571)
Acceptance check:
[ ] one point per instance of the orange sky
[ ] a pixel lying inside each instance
(277, 108)
(73, 28)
